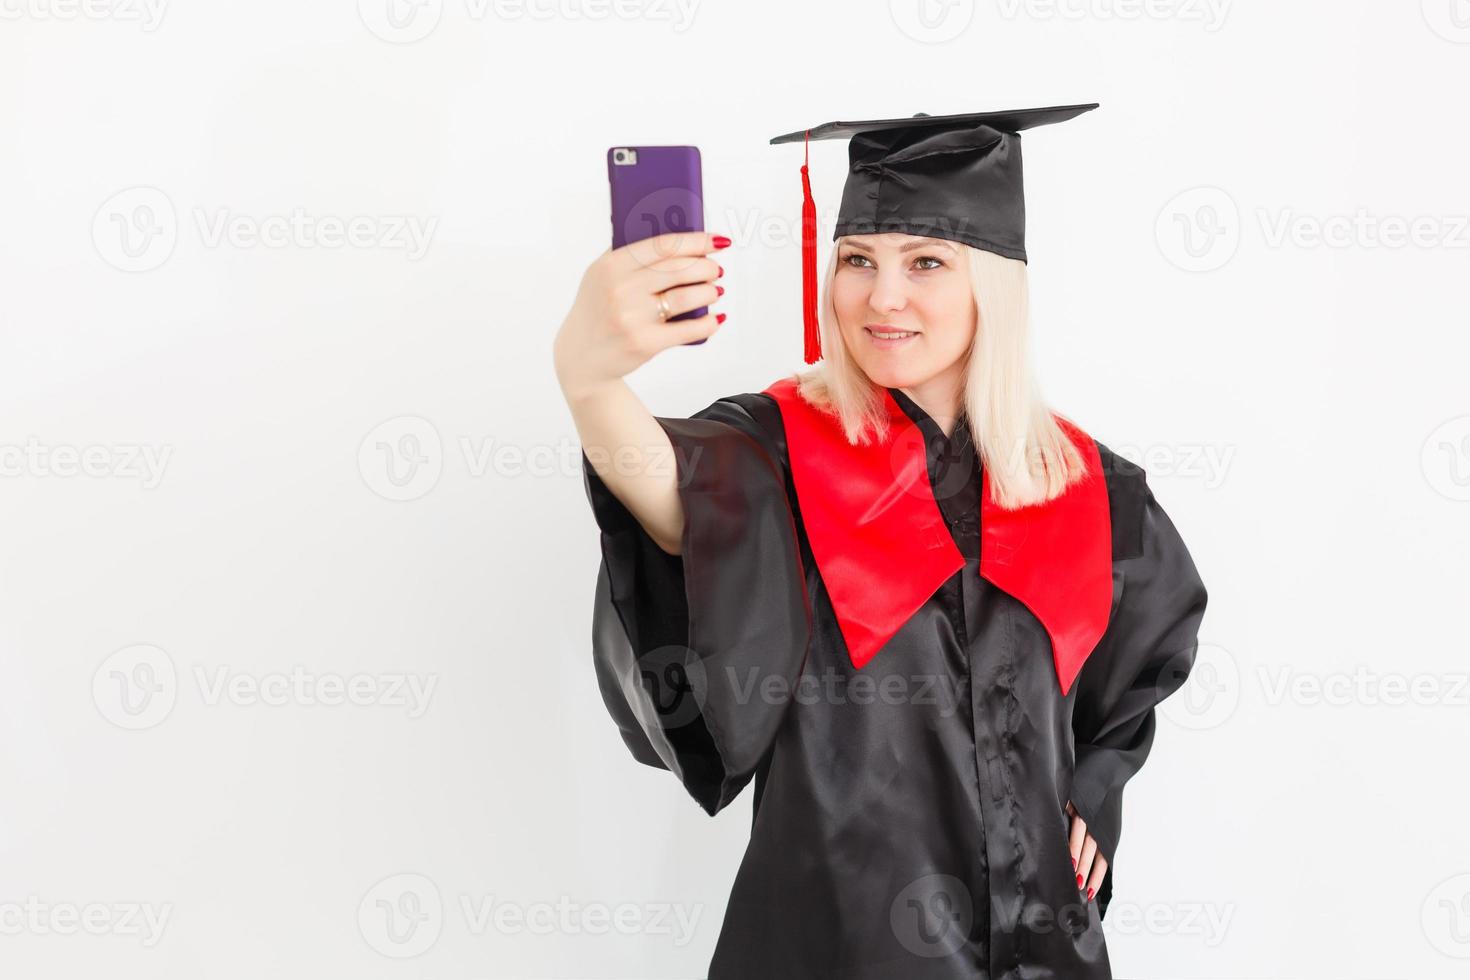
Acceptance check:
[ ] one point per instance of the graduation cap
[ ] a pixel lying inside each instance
(955, 177)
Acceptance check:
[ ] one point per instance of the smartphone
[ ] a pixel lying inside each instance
(655, 190)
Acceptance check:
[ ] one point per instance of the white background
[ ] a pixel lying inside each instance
(1299, 401)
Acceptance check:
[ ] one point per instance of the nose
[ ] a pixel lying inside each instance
(890, 290)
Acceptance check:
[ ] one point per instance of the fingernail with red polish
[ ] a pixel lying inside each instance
(1074, 864)
(719, 290)
(1089, 894)
(721, 272)
(720, 241)
(719, 318)
(1079, 881)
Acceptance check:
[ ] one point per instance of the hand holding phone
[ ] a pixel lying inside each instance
(656, 190)
(616, 323)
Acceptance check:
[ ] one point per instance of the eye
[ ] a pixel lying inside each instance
(850, 256)
(938, 263)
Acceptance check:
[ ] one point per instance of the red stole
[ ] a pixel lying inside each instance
(883, 548)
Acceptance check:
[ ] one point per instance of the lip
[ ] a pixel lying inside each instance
(887, 344)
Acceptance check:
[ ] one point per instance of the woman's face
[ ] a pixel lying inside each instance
(903, 284)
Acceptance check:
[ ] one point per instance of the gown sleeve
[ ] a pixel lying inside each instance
(1143, 657)
(697, 654)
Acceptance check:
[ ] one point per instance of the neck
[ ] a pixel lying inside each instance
(939, 397)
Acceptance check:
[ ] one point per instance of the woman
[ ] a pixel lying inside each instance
(927, 616)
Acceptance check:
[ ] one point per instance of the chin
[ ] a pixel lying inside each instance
(886, 374)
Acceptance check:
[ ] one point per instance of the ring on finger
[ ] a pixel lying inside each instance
(663, 306)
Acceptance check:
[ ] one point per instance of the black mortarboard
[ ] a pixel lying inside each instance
(956, 177)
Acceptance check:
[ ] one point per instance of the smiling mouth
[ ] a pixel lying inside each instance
(890, 334)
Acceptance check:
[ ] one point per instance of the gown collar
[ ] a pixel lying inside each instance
(923, 419)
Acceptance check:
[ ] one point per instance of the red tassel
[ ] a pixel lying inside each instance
(813, 337)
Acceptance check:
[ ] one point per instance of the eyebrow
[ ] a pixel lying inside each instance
(922, 243)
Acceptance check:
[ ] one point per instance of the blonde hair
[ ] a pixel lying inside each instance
(1028, 456)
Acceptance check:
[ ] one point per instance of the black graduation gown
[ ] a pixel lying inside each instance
(909, 818)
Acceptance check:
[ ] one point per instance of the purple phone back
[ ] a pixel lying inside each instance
(660, 193)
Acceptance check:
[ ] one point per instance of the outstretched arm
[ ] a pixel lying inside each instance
(615, 326)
